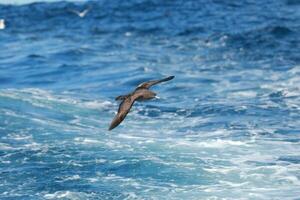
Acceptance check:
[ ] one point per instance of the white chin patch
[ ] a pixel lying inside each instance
(157, 97)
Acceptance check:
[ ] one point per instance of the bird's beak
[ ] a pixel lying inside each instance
(157, 97)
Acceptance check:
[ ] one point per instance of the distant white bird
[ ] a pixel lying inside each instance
(82, 13)
(2, 24)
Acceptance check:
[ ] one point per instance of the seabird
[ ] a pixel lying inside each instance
(141, 93)
(2, 24)
(82, 13)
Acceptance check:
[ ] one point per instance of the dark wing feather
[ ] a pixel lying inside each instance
(124, 108)
(148, 84)
(122, 97)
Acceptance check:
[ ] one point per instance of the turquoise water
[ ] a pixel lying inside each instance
(227, 126)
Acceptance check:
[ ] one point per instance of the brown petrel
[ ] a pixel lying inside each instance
(141, 93)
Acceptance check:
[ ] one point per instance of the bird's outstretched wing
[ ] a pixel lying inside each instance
(74, 11)
(148, 84)
(124, 108)
(83, 13)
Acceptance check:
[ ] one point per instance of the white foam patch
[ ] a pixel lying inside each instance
(221, 170)
(71, 178)
(74, 163)
(218, 143)
(34, 146)
(4, 147)
(96, 104)
(108, 143)
(92, 180)
(87, 141)
(47, 122)
(66, 195)
(5, 161)
(138, 139)
(100, 161)
(232, 184)
(19, 136)
(119, 161)
(45, 99)
(244, 94)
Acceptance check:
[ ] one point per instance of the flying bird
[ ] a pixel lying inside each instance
(141, 93)
(2, 24)
(82, 13)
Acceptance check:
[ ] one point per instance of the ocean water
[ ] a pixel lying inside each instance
(227, 126)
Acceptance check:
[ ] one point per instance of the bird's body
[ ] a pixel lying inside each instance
(141, 93)
(2, 24)
(81, 14)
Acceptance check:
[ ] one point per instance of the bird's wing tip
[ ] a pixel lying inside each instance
(169, 78)
(110, 127)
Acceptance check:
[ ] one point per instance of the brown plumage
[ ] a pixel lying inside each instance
(141, 93)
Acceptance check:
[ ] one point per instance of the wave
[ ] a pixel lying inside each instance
(226, 127)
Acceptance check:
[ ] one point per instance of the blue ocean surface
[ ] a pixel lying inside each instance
(226, 127)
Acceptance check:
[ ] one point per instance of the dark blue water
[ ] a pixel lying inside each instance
(227, 126)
